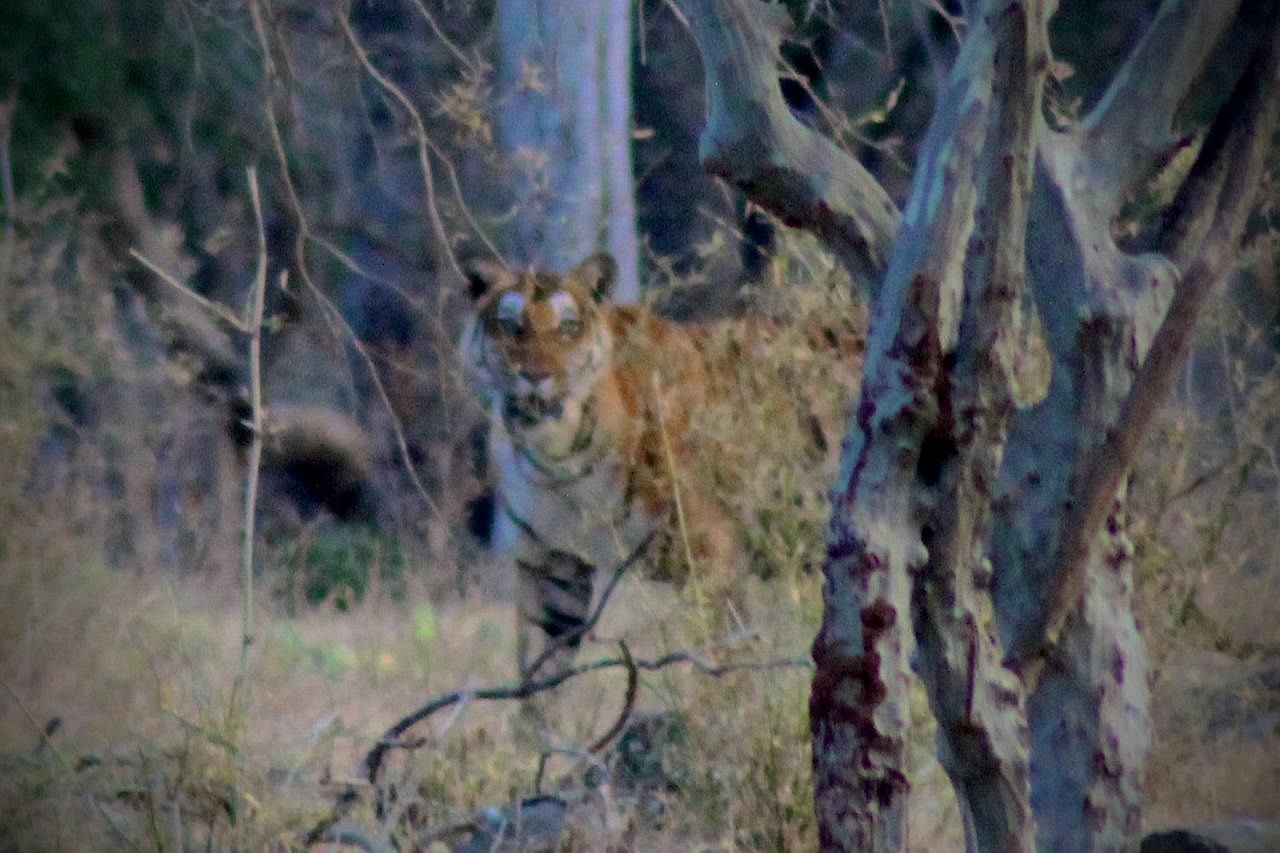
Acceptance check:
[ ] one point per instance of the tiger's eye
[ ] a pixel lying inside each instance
(568, 318)
(509, 316)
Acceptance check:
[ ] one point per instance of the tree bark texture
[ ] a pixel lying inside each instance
(978, 534)
(565, 74)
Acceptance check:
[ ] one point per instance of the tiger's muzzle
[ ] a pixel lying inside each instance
(534, 399)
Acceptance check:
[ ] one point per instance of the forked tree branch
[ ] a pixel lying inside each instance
(753, 140)
(1132, 128)
(1241, 138)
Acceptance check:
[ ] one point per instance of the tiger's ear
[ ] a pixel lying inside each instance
(598, 274)
(484, 276)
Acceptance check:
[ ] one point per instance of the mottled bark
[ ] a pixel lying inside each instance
(979, 705)
(978, 529)
(564, 74)
(1120, 331)
(910, 517)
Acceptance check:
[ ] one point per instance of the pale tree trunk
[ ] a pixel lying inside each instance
(565, 125)
(978, 531)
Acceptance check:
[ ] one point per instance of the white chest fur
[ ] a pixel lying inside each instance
(573, 502)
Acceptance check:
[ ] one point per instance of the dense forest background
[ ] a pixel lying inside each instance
(126, 133)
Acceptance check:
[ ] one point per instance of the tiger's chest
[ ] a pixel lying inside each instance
(566, 493)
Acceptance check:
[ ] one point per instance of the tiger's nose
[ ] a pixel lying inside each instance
(534, 382)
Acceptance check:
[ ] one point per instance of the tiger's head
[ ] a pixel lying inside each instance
(535, 342)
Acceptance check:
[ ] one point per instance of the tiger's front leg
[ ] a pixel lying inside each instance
(554, 594)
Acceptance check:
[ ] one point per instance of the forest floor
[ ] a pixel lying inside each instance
(139, 670)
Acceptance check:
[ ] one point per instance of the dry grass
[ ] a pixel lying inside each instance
(137, 662)
(1205, 507)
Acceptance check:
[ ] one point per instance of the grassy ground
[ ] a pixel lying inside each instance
(117, 729)
(139, 670)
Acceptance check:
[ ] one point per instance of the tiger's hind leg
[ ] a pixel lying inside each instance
(554, 603)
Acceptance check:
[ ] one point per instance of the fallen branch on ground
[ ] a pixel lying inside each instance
(392, 739)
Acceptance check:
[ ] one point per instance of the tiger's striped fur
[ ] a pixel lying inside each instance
(599, 443)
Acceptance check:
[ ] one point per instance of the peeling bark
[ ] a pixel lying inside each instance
(858, 705)
(979, 705)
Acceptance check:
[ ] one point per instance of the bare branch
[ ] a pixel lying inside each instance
(338, 324)
(419, 134)
(628, 703)
(252, 323)
(1250, 120)
(392, 739)
(218, 310)
(1131, 129)
(752, 140)
(526, 689)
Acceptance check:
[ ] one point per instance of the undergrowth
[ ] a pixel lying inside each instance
(118, 666)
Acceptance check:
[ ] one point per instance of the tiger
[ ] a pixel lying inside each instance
(590, 405)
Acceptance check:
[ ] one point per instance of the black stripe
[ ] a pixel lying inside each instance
(556, 624)
(582, 441)
(581, 567)
(558, 478)
(525, 527)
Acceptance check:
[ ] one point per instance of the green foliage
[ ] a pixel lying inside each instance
(339, 563)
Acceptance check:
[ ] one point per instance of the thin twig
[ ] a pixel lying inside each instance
(420, 136)
(524, 690)
(373, 761)
(628, 703)
(7, 108)
(47, 741)
(44, 731)
(444, 38)
(220, 311)
(252, 323)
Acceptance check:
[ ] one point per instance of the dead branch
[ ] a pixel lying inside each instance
(338, 325)
(392, 738)
(590, 753)
(752, 140)
(419, 134)
(628, 702)
(524, 690)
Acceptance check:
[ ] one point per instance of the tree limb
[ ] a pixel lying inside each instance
(1132, 128)
(752, 140)
(979, 705)
(1250, 122)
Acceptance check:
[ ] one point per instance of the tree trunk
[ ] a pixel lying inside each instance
(978, 527)
(565, 75)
